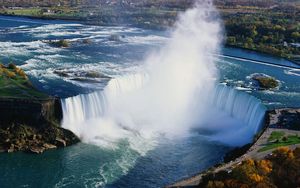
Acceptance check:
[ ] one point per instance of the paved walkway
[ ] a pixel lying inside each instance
(252, 153)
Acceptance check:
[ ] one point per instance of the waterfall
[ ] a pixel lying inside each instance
(240, 105)
(100, 104)
(80, 108)
(172, 93)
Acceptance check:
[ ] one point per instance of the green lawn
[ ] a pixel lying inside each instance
(17, 86)
(276, 135)
(63, 12)
(25, 11)
(277, 139)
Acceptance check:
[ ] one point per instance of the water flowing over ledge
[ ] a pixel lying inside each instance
(175, 91)
(240, 105)
(245, 109)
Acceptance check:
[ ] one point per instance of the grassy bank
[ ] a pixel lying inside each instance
(280, 139)
(15, 84)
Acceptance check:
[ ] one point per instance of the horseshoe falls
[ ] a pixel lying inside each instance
(173, 92)
(156, 113)
(225, 103)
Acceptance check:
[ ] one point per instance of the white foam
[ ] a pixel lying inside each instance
(150, 39)
(25, 48)
(294, 72)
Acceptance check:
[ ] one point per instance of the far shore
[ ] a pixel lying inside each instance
(256, 150)
(257, 51)
(93, 22)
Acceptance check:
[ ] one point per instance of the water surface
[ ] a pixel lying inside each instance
(152, 164)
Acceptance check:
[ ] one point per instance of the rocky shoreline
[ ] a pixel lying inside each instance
(30, 120)
(32, 126)
(17, 137)
(286, 120)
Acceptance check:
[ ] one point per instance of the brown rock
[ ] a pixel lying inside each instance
(33, 137)
(60, 142)
(36, 149)
(10, 150)
(49, 146)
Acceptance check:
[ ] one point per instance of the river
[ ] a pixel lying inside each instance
(115, 51)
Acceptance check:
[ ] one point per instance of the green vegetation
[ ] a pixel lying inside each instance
(24, 12)
(49, 12)
(281, 169)
(271, 27)
(62, 43)
(271, 32)
(276, 135)
(278, 139)
(15, 84)
(267, 82)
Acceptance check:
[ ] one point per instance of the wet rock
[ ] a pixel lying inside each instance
(264, 81)
(115, 37)
(61, 43)
(32, 123)
(86, 41)
(10, 150)
(94, 74)
(35, 139)
(36, 149)
(86, 80)
(60, 142)
(61, 73)
(49, 146)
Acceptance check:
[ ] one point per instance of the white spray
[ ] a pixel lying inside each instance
(162, 99)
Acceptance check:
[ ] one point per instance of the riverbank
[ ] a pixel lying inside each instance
(146, 25)
(293, 60)
(278, 121)
(248, 26)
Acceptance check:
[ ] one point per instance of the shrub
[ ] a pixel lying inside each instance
(284, 139)
(12, 66)
(63, 43)
(265, 166)
(256, 177)
(20, 72)
(9, 74)
(281, 169)
(267, 82)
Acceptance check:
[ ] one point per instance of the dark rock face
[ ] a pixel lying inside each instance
(19, 137)
(285, 118)
(32, 126)
(236, 152)
(30, 112)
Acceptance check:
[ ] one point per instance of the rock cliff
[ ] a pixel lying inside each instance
(29, 119)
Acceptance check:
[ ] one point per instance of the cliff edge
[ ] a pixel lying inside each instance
(29, 119)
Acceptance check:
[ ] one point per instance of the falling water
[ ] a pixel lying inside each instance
(172, 92)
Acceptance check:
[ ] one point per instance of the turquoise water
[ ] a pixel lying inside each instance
(149, 163)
